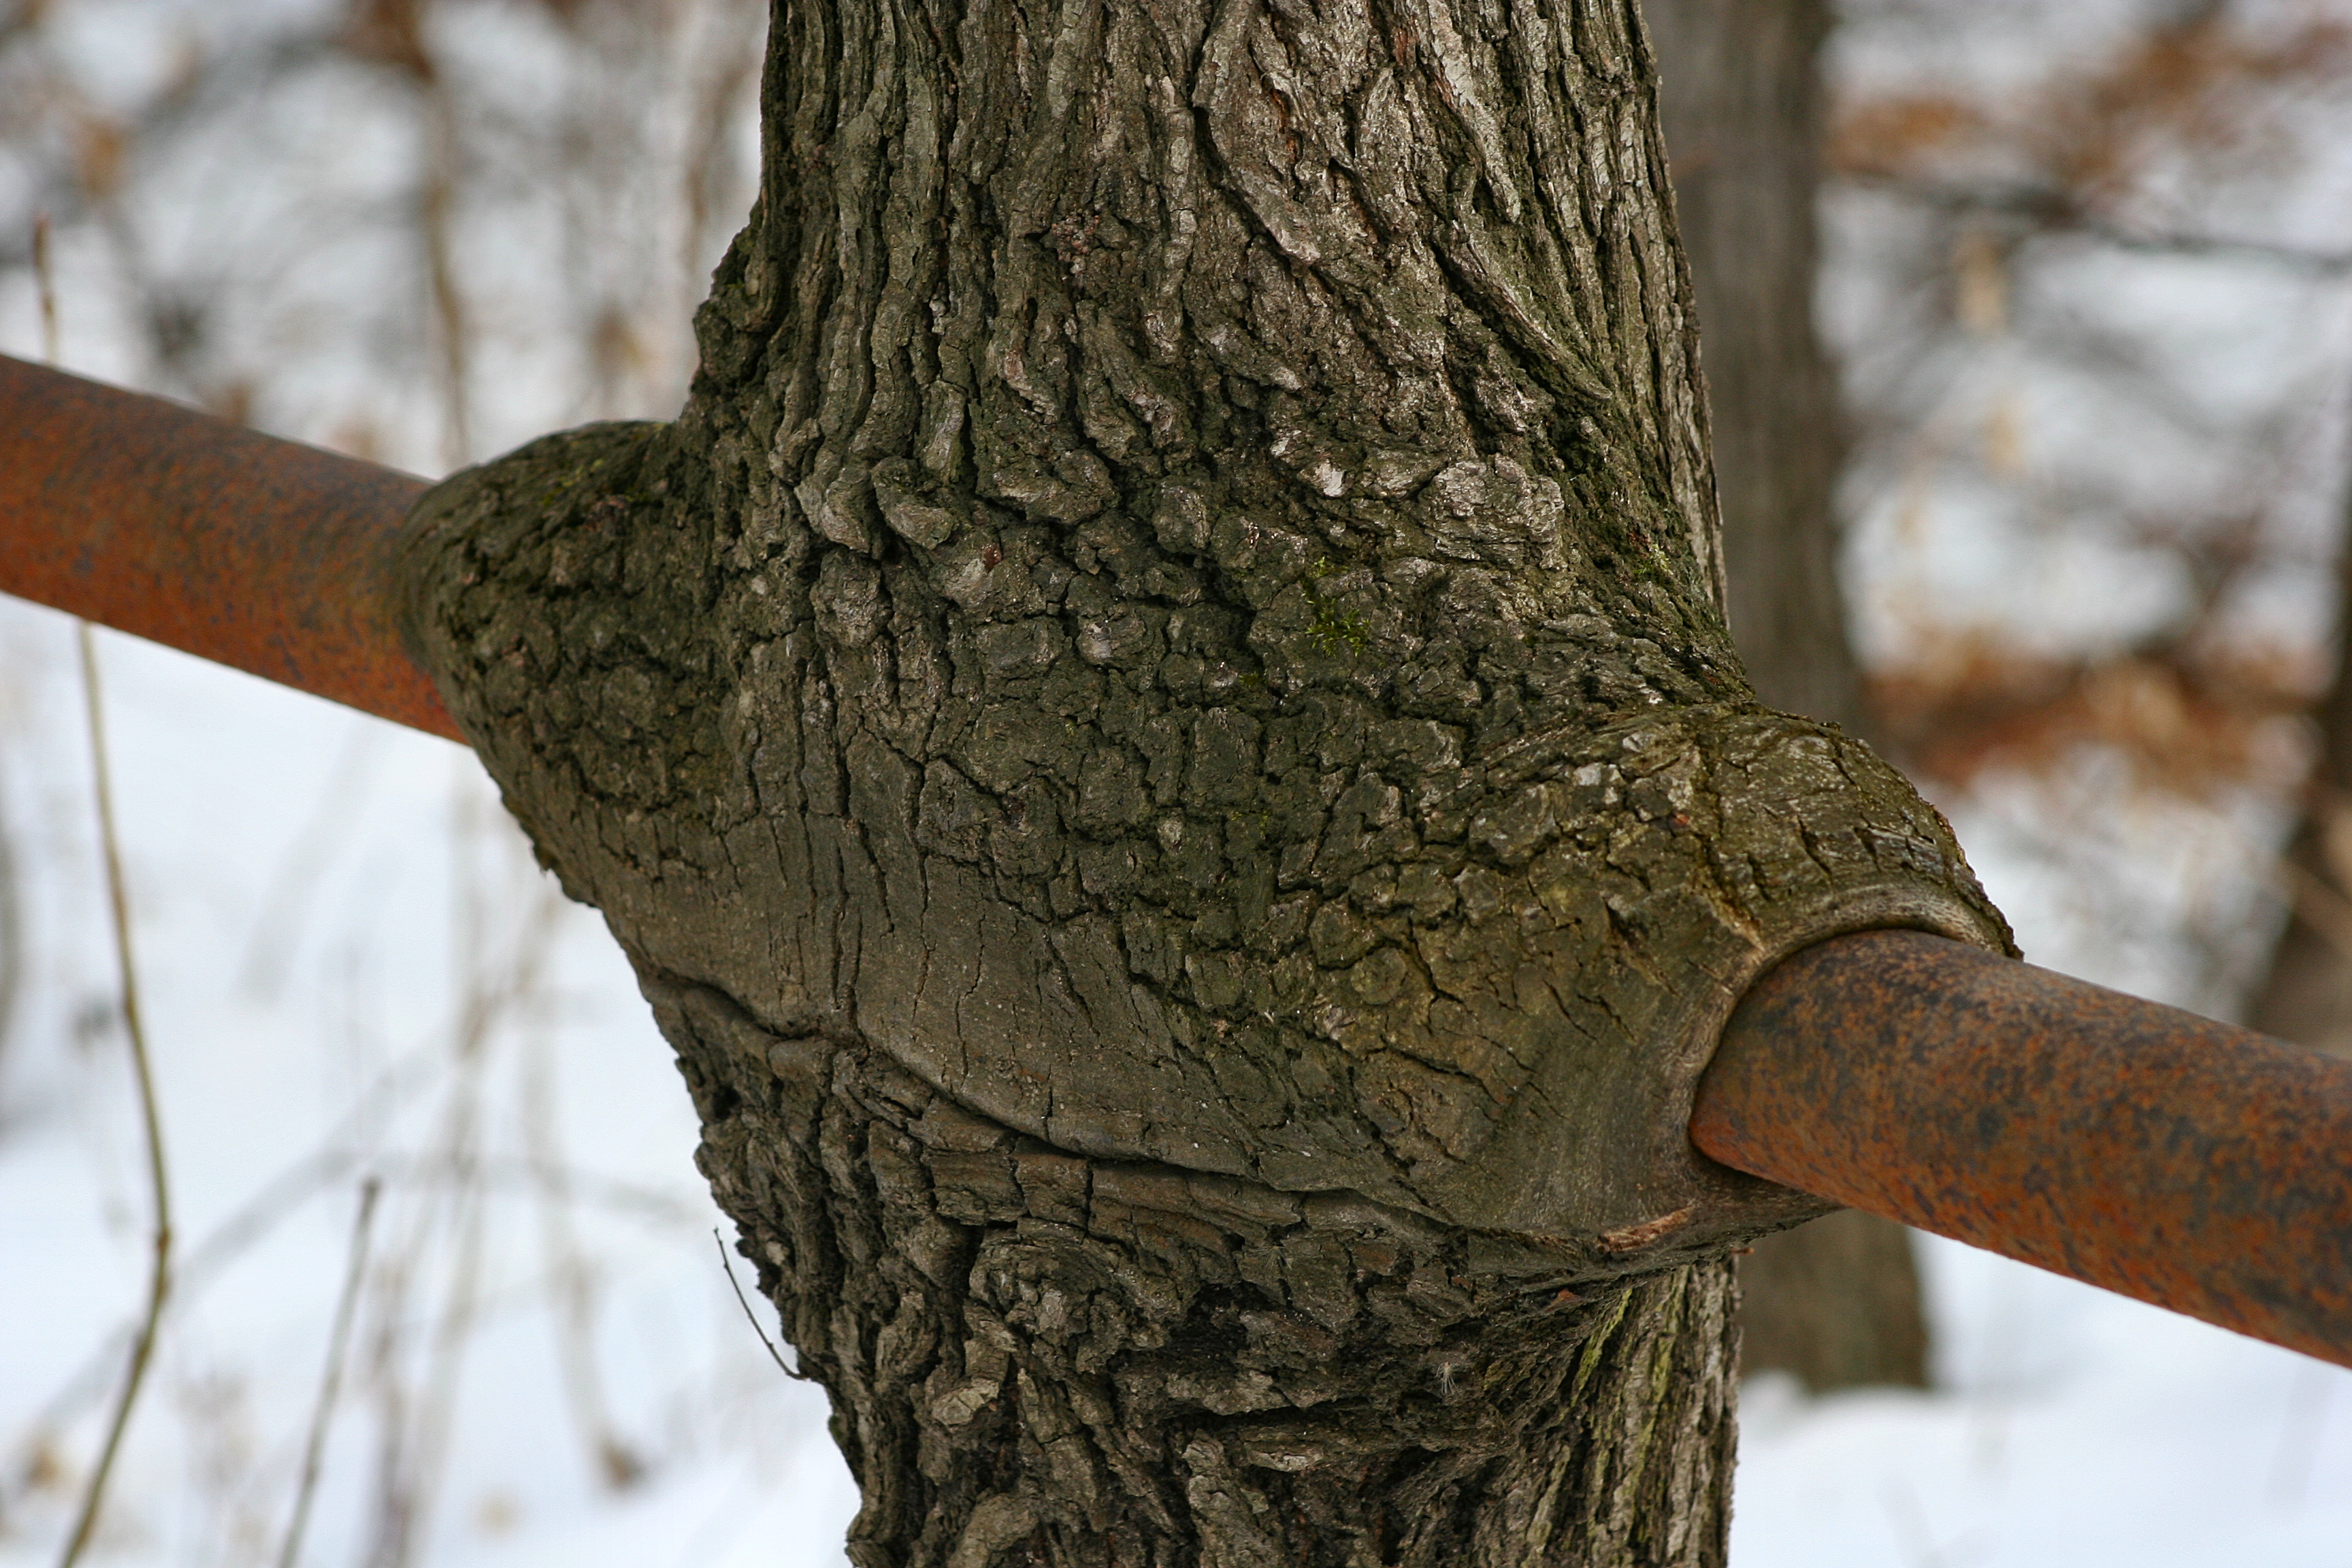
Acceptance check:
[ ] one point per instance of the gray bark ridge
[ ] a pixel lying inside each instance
(1182, 610)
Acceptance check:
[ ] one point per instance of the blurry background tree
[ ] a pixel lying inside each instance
(1836, 1301)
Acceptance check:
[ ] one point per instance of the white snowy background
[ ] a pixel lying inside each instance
(352, 971)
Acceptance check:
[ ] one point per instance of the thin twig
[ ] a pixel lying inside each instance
(417, 1455)
(572, 1284)
(2306, 1417)
(436, 218)
(303, 865)
(12, 927)
(195, 1267)
(2054, 211)
(12, 918)
(44, 281)
(412, 1480)
(339, 1341)
(159, 1286)
(745, 1302)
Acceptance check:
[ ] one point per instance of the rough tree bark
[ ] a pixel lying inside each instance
(1159, 735)
(1836, 1301)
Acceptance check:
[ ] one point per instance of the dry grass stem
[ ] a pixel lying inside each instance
(418, 1436)
(436, 221)
(572, 1282)
(271, 1204)
(277, 933)
(12, 929)
(159, 1284)
(339, 1340)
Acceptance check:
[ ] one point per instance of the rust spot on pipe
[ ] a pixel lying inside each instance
(264, 554)
(2197, 1165)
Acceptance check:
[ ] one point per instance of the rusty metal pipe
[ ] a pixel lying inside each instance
(2197, 1165)
(264, 554)
(2202, 1167)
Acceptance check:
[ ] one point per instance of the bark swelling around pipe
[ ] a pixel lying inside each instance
(1161, 735)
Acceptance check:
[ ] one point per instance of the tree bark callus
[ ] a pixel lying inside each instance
(1160, 735)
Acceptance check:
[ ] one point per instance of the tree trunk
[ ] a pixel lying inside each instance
(1159, 735)
(1836, 1301)
(2305, 996)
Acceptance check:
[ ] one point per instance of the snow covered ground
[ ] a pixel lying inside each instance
(2070, 1428)
(351, 969)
